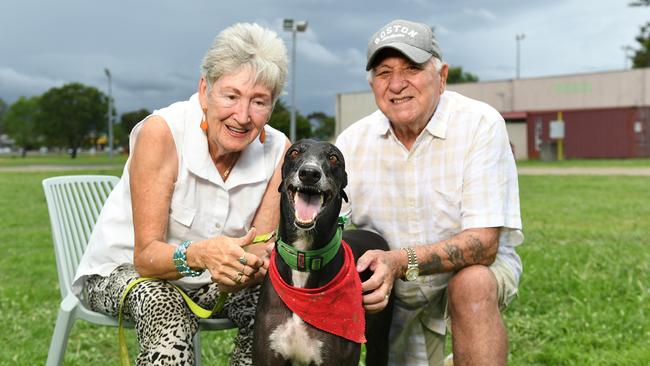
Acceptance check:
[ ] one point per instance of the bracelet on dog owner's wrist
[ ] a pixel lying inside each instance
(180, 261)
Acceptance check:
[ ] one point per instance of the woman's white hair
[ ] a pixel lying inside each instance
(246, 44)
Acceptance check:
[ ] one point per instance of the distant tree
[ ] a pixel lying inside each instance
(127, 122)
(456, 75)
(281, 120)
(71, 114)
(323, 126)
(20, 123)
(3, 109)
(641, 57)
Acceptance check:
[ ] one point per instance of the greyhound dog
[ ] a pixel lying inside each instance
(309, 311)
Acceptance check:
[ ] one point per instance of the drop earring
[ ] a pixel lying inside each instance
(204, 121)
(262, 136)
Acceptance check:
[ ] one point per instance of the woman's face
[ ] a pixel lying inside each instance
(237, 110)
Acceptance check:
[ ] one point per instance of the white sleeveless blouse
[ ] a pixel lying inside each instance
(202, 206)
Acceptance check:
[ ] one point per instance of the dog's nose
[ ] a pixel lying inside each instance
(309, 175)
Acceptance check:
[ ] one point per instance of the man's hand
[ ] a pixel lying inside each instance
(386, 267)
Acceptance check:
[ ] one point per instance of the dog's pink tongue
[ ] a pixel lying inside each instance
(307, 206)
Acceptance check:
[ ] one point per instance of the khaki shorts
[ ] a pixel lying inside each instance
(416, 344)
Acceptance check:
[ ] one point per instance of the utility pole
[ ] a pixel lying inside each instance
(293, 27)
(110, 114)
(519, 37)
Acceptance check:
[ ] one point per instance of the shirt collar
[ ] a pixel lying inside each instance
(249, 168)
(437, 126)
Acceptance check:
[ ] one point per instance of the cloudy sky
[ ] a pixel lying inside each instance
(153, 47)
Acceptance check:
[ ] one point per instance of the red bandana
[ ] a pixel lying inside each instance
(334, 308)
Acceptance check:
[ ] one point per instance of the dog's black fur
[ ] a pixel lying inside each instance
(318, 168)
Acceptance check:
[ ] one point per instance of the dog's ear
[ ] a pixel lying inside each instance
(344, 183)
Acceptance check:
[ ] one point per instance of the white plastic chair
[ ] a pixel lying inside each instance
(74, 203)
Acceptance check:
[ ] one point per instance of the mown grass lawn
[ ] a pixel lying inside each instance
(584, 296)
(33, 158)
(591, 163)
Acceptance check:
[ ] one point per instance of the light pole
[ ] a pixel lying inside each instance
(626, 55)
(518, 38)
(110, 115)
(293, 27)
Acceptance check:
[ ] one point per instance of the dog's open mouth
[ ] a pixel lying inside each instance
(307, 203)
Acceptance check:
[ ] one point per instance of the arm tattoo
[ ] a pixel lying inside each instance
(476, 249)
(455, 255)
(434, 266)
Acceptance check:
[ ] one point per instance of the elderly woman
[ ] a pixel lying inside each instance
(201, 180)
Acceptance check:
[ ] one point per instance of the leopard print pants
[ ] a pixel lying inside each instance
(164, 325)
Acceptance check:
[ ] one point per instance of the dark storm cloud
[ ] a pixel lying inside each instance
(154, 47)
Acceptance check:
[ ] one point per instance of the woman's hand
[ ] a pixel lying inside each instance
(229, 264)
(263, 251)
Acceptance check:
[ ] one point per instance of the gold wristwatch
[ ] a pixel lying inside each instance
(412, 270)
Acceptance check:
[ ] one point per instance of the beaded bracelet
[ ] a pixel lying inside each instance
(180, 261)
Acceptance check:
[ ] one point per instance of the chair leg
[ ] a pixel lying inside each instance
(64, 322)
(197, 348)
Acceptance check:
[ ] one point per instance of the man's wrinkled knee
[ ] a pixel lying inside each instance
(472, 290)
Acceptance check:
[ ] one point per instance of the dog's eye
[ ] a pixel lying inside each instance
(293, 154)
(334, 159)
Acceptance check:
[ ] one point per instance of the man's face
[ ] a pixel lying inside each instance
(405, 92)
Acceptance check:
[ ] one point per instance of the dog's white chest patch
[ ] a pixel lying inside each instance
(292, 342)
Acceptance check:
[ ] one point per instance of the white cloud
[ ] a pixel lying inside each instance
(309, 46)
(154, 64)
(15, 84)
(440, 29)
(481, 13)
(317, 53)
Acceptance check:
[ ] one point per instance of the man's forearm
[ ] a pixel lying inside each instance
(472, 246)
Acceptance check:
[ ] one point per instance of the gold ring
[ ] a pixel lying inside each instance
(387, 296)
(242, 259)
(239, 277)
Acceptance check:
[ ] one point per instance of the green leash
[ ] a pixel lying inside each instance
(194, 307)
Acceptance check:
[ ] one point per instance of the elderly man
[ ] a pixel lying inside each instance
(432, 171)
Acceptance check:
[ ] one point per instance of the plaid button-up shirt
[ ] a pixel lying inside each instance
(459, 174)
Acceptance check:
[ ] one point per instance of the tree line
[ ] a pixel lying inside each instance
(641, 57)
(75, 116)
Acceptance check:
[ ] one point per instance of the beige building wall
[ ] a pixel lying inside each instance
(583, 91)
(614, 89)
(517, 133)
(351, 107)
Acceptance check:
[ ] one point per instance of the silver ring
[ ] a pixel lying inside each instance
(242, 259)
(239, 277)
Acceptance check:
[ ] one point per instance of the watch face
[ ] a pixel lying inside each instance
(412, 274)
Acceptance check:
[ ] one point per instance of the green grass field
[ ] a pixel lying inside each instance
(61, 159)
(584, 296)
(35, 158)
(591, 163)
